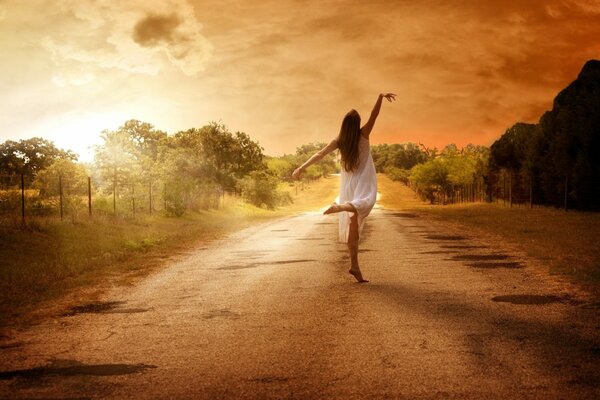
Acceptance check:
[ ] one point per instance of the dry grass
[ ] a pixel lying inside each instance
(312, 196)
(48, 258)
(565, 241)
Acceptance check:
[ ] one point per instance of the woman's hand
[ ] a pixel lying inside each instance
(297, 172)
(389, 96)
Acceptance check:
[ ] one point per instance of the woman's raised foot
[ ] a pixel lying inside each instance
(333, 208)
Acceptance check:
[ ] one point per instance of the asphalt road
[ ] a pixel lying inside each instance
(271, 312)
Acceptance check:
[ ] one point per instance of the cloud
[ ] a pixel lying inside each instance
(153, 30)
(287, 71)
(136, 36)
(179, 38)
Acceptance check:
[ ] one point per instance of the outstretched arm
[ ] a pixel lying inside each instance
(318, 156)
(366, 129)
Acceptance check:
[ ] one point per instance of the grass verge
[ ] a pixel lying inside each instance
(48, 258)
(567, 242)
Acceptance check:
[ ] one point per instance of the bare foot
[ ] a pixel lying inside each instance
(333, 208)
(357, 275)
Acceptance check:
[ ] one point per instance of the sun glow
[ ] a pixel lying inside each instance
(80, 131)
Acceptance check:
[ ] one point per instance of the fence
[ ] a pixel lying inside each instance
(22, 197)
(470, 193)
(519, 189)
(516, 189)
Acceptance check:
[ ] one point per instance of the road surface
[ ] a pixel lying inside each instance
(270, 312)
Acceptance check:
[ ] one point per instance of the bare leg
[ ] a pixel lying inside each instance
(336, 208)
(353, 247)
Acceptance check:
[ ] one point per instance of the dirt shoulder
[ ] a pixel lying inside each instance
(560, 244)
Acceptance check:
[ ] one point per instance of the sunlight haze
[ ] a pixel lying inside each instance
(286, 72)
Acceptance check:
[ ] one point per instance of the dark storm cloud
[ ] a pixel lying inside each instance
(155, 29)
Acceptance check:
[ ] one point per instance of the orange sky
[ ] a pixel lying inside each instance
(286, 72)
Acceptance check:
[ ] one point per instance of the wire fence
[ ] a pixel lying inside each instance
(64, 197)
(518, 189)
(458, 194)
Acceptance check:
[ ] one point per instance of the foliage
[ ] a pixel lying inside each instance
(402, 156)
(511, 150)
(561, 152)
(283, 166)
(398, 174)
(260, 189)
(130, 151)
(72, 175)
(196, 165)
(325, 167)
(453, 169)
(30, 156)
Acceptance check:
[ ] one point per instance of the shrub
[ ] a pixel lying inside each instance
(260, 189)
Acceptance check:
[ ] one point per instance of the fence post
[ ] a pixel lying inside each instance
(60, 195)
(23, 198)
(503, 187)
(530, 192)
(133, 197)
(150, 195)
(566, 192)
(510, 188)
(115, 194)
(90, 196)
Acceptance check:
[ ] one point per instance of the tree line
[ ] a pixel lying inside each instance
(438, 176)
(187, 171)
(557, 160)
(553, 162)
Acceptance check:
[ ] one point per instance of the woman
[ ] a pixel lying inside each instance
(358, 184)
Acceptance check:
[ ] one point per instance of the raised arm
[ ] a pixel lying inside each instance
(315, 158)
(368, 127)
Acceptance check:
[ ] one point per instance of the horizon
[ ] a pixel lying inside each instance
(286, 73)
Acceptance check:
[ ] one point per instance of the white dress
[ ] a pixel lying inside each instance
(359, 187)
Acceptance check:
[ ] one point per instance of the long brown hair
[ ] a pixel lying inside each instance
(348, 140)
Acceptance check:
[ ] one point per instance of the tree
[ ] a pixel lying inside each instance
(430, 178)
(558, 156)
(73, 177)
(325, 167)
(510, 151)
(260, 189)
(400, 156)
(117, 159)
(452, 170)
(30, 156)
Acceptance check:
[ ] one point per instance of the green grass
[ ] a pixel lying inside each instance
(48, 258)
(567, 242)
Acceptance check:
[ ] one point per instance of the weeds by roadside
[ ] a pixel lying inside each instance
(47, 257)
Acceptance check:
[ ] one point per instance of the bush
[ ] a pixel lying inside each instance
(398, 174)
(260, 189)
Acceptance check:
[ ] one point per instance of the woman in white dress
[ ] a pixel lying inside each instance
(358, 183)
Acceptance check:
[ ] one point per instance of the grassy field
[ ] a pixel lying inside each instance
(567, 242)
(48, 258)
